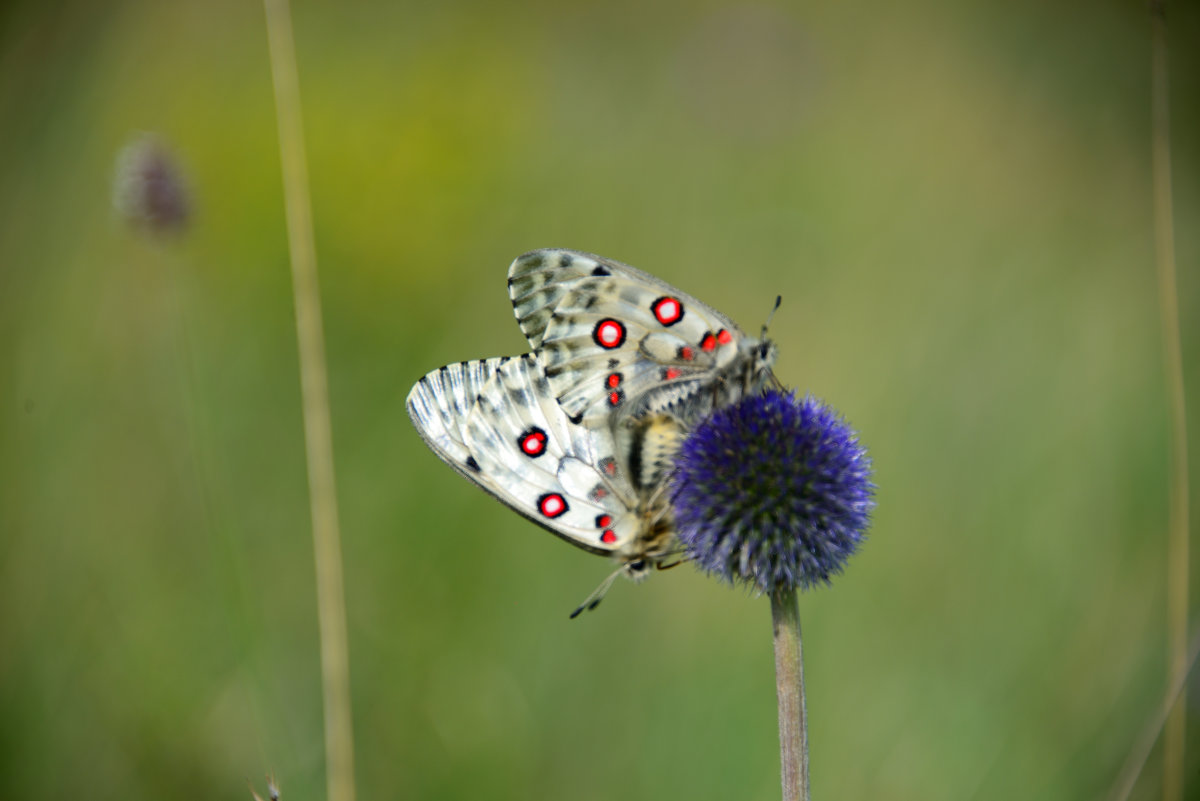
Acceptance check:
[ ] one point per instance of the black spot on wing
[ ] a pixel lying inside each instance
(601, 271)
(471, 463)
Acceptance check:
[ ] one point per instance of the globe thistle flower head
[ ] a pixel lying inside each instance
(774, 492)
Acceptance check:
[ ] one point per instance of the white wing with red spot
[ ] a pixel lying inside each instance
(496, 422)
(615, 342)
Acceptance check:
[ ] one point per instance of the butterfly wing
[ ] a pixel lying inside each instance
(615, 341)
(497, 423)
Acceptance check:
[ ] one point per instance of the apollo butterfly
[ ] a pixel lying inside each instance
(579, 435)
(615, 342)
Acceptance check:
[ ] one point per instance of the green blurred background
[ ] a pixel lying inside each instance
(953, 200)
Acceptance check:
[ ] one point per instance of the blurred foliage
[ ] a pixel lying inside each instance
(952, 199)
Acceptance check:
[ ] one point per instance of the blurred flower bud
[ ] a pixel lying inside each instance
(148, 189)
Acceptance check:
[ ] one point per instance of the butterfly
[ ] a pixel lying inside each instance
(579, 435)
(616, 342)
(497, 422)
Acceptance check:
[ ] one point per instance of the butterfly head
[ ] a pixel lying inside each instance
(758, 359)
(637, 569)
(763, 353)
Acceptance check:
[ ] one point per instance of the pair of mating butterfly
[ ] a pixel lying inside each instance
(579, 435)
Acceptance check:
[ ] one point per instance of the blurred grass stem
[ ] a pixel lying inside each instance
(335, 670)
(789, 688)
(1145, 744)
(1177, 534)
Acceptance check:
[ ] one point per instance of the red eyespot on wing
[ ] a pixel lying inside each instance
(671, 372)
(552, 504)
(686, 353)
(615, 397)
(609, 466)
(608, 537)
(709, 342)
(667, 310)
(609, 334)
(603, 521)
(614, 380)
(532, 442)
(724, 337)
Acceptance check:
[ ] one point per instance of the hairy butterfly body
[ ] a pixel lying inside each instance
(580, 435)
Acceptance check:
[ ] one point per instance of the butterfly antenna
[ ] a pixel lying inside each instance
(593, 600)
(272, 789)
(771, 316)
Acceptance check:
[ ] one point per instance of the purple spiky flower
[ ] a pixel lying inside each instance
(774, 491)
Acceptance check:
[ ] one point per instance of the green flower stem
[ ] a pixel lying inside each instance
(314, 390)
(789, 686)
